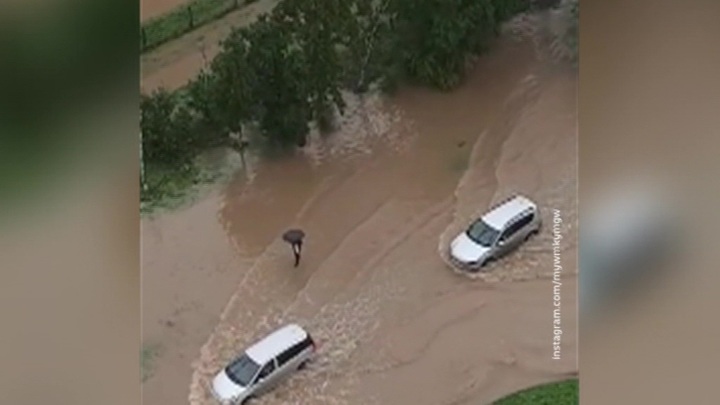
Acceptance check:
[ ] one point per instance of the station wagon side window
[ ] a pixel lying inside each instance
(267, 370)
(517, 225)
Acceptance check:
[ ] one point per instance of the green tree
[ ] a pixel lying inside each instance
(505, 9)
(279, 90)
(169, 142)
(367, 46)
(221, 94)
(317, 28)
(166, 127)
(433, 38)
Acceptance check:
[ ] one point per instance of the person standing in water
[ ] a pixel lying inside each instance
(295, 238)
(297, 248)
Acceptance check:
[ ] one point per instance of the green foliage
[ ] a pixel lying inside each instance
(183, 19)
(163, 183)
(367, 48)
(221, 95)
(434, 38)
(315, 28)
(571, 34)
(505, 9)
(173, 134)
(166, 128)
(279, 91)
(560, 393)
(288, 69)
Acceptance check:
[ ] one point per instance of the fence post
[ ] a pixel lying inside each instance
(190, 13)
(142, 165)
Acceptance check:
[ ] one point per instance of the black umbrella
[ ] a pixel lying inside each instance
(293, 236)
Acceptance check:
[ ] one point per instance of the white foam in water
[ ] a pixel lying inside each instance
(367, 120)
(547, 31)
(339, 328)
(532, 259)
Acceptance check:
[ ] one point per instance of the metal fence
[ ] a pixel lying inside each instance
(184, 19)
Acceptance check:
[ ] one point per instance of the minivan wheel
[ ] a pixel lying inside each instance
(531, 234)
(303, 365)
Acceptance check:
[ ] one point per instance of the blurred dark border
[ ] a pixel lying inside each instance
(69, 223)
(68, 77)
(649, 115)
(69, 89)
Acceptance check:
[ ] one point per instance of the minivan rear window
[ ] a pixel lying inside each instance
(242, 370)
(293, 351)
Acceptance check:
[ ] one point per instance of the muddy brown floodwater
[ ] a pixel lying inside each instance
(379, 201)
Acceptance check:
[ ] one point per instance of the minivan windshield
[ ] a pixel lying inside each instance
(482, 233)
(242, 370)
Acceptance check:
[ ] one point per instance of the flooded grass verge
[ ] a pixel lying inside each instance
(148, 354)
(171, 188)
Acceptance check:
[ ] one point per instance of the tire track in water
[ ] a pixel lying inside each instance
(478, 185)
(226, 339)
(342, 324)
(267, 290)
(522, 152)
(346, 324)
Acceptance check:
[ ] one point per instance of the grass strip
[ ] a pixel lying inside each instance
(184, 19)
(558, 393)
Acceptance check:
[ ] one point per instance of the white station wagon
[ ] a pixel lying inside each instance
(263, 365)
(495, 234)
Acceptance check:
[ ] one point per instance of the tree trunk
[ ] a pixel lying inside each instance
(370, 45)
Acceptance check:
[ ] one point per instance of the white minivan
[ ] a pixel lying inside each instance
(263, 365)
(500, 230)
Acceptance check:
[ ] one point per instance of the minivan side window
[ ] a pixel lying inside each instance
(267, 370)
(293, 351)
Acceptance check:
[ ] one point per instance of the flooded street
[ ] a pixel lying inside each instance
(379, 201)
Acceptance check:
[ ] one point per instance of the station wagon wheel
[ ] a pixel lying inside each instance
(247, 400)
(303, 365)
(486, 262)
